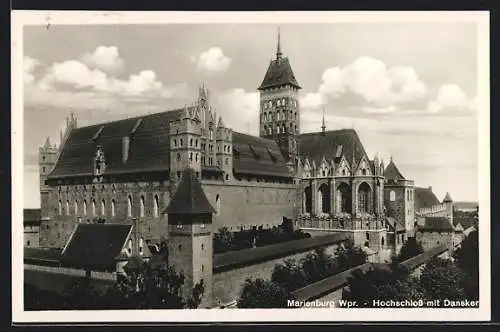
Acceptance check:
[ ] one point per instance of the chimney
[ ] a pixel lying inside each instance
(125, 148)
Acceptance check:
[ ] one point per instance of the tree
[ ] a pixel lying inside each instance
(317, 265)
(223, 240)
(289, 275)
(388, 283)
(467, 258)
(441, 279)
(347, 256)
(409, 249)
(262, 293)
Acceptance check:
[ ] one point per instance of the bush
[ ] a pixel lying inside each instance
(262, 293)
(409, 249)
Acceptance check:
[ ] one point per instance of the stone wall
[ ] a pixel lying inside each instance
(246, 204)
(431, 240)
(227, 285)
(32, 236)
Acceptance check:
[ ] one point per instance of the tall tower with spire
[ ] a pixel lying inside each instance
(279, 104)
(47, 157)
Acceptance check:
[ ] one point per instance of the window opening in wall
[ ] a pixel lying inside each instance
(202, 267)
(392, 196)
(129, 206)
(155, 207)
(113, 208)
(141, 210)
(217, 204)
(180, 247)
(28, 243)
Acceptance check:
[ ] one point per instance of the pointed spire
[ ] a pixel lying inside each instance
(221, 123)
(323, 126)
(447, 198)
(278, 49)
(47, 144)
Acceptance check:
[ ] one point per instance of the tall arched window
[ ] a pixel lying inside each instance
(60, 208)
(141, 211)
(141, 246)
(93, 207)
(85, 207)
(323, 199)
(307, 200)
(392, 196)
(129, 206)
(76, 207)
(217, 204)
(364, 198)
(155, 206)
(103, 207)
(344, 198)
(283, 128)
(67, 208)
(112, 207)
(277, 129)
(265, 117)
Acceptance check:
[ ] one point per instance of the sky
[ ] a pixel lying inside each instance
(409, 89)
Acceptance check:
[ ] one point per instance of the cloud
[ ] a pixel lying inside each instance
(451, 98)
(29, 65)
(212, 60)
(104, 58)
(240, 110)
(372, 80)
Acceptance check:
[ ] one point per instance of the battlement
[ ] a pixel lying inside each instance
(433, 211)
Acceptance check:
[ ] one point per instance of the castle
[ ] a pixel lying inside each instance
(132, 168)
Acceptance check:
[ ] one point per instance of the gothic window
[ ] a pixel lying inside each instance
(93, 207)
(43, 158)
(141, 246)
(382, 241)
(363, 171)
(113, 208)
(178, 156)
(196, 143)
(181, 142)
(307, 200)
(211, 134)
(295, 115)
(270, 104)
(392, 196)
(283, 129)
(364, 197)
(323, 199)
(270, 130)
(265, 117)
(295, 128)
(191, 142)
(175, 142)
(129, 249)
(60, 208)
(67, 208)
(129, 206)
(141, 211)
(283, 102)
(278, 129)
(278, 103)
(284, 115)
(217, 204)
(76, 207)
(277, 116)
(227, 161)
(155, 207)
(344, 198)
(191, 156)
(367, 236)
(43, 168)
(84, 207)
(196, 158)
(103, 207)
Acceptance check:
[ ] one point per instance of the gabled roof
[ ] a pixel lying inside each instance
(392, 172)
(189, 197)
(279, 73)
(425, 198)
(258, 156)
(32, 216)
(149, 146)
(95, 245)
(331, 143)
(436, 224)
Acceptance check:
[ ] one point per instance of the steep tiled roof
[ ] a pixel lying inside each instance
(259, 156)
(95, 245)
(189, 197)
(32, 216)
(316, 145)
(436, 224)
(392, 172)
(279, 73)
(425, 198)
(396, 223)
(149, 146)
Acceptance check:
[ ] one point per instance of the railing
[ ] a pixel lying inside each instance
(344, 222)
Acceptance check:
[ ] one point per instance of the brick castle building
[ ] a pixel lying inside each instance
(131, 168)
